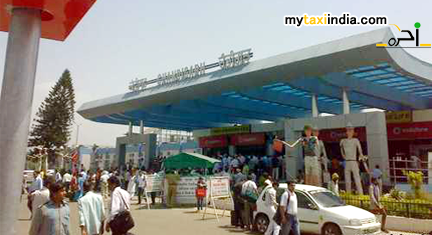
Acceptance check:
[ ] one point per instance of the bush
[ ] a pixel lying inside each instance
(415, 179)
(416, 208)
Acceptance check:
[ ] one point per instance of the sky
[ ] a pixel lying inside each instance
(118, 41)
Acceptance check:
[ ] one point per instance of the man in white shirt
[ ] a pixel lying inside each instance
(142, 183)
(91, 211)
(40, 197)
(104, 184)
(120, 200)
(58, 177)
(288, 207)
(349, 148)
(67, 178)
(248, 188)
(271, 203)
(235, 164)
(37, 182)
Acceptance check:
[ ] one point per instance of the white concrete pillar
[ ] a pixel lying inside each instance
(15, 105)
(141, 127)
(315, 111)
(346, 103)
(130, 129)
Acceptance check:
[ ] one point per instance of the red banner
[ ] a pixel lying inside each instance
(213, 142)
(416, 130)
(248, 139)
(335, 135)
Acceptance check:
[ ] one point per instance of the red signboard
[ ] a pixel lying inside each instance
(213, 141)
(335, 135)
(248, 139)
(416, 130)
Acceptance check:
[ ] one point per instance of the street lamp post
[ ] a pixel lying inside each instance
(77, 134)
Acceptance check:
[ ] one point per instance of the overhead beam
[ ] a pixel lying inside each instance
(320, 86)
(377, 91)
(255, 107)
(291, 100)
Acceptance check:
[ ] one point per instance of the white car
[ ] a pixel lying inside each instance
(320, 211)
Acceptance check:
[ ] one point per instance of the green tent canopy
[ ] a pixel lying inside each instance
(186, 160)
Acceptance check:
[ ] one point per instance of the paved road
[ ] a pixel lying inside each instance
(155, 222)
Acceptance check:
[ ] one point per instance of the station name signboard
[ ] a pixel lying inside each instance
(230, 130)
(226, 61)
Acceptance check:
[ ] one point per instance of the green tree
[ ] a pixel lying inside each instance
(52, 125)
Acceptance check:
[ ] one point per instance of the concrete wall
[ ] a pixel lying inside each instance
(149, 149)
(376, 131)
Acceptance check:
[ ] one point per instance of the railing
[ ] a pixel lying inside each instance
(420, 209)
(397, 166)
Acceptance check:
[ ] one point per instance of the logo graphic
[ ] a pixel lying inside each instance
(394, 42)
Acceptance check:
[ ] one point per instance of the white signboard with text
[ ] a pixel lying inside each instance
(154, 183)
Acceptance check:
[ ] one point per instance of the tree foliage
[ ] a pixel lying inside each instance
(52, 125)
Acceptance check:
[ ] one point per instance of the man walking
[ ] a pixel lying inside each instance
(376, 207)
(349, 148)
(288, 207)
(104, 184)
(250, 193)
(91, 211)
(40, 197)
(270, 201)
(142, 183)
(67, 177)
(52, 218)
(120, 201)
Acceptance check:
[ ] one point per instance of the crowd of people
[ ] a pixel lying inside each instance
(50, 211)
(249, 175)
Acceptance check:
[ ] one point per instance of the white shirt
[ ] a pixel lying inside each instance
(67, 178)
(292, 207)
(91, 211)
(40, 197)
(350, 147)
(271, 198)
(58, 177)
(249, 186)
(117, 204)
(37, 184)
(235, 163)
(142, 183)
(104, 178)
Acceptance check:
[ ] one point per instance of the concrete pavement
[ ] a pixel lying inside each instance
(155, 222)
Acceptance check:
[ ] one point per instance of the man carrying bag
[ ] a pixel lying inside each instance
(120, 218)
(288, 212)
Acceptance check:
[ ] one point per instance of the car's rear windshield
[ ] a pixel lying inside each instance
(327, 199)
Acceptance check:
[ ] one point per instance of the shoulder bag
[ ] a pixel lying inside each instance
(123, 221)
(277, 218)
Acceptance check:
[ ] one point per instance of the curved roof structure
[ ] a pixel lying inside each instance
(280, 87)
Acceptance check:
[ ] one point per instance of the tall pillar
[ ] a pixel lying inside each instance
(346, 103)
(141, 127)
(15, 105)
(130, 129)
(315, 111)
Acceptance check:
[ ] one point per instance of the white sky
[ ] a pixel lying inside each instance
(117, 42)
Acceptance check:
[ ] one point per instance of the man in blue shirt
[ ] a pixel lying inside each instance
(52, 218)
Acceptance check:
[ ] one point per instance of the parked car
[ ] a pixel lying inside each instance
(320, 211)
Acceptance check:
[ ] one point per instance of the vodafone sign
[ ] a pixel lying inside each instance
(417, 130)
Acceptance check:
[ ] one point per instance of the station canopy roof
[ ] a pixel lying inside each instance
(280, 87)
